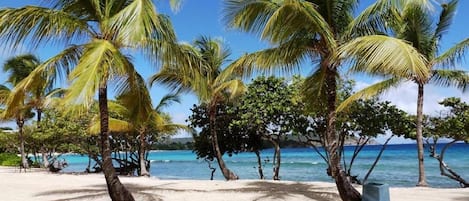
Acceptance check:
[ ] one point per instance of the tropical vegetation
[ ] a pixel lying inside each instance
(107, 112)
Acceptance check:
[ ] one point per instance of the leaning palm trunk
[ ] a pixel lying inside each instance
(227, 173)
(143, 164)
(116, 190)
(344, 186)
(24, 161)
(422, 180)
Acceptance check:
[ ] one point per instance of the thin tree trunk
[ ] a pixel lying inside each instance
(422, 180)
(24, 161)
(39, 116)
(346, 191)
(377, 159)
(445, 170)
(227, 173)
(259, 164)
(116, 190)
(45, 160)
(277, 159)
(143, 164)
(356, 151)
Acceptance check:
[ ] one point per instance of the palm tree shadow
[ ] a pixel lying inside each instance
(96, 191)
(269, 190)
(462, 198)
(284, 191)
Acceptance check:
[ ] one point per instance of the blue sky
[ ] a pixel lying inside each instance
(204, 17)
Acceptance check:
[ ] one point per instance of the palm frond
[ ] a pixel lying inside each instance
(451, 78)
(277, 21)
(115, 125)
(369, 92)
(139, 22)
(446, 17)
(4, 93)
(375, 19)
(41, 24)
(134, 95)
(313, 89)
(234, 88)
(100, 62)
(386, 55)
(175, 5)
(452, 56)
(167, 100)
(285, 58)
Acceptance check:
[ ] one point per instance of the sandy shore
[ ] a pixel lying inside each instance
(39, 185)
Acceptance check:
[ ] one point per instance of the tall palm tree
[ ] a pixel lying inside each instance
(203, 75)
(104, 33)
(302, 30)
(413, 21)
(18, 68)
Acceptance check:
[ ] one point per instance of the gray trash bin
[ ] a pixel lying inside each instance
(375, 192)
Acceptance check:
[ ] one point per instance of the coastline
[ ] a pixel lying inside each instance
(42, 185)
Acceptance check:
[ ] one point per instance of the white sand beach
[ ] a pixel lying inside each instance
(40, 185)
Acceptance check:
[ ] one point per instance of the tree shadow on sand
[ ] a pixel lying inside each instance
(462, 198)
(268, 190)
(283, 191)
(97, 191)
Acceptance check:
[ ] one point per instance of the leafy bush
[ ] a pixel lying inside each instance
(8, 159)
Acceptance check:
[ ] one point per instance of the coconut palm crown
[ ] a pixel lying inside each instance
(203, 76)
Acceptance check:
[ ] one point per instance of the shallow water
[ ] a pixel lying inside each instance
(397, 167)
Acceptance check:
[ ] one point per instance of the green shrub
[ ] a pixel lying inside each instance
(8, 159)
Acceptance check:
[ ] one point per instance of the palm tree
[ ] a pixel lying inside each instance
(203, 75)
(18, 68)
(301, 30)
(412, 21)
(104, 33)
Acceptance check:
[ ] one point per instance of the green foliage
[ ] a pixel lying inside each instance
(8, 142)
(231, 139)
(372, 118)
(453, 124)
(59, 132)
(270, 108)
(8, 159)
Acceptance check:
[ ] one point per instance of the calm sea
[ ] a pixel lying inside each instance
(397, 167)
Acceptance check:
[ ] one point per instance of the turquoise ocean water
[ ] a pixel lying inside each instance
(397, 167)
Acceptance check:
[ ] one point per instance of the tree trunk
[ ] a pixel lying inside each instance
(45, 160)
(24, 161)
(277, 159)
(116, 190)
(39, 116)
(227, 173)
(445, 170)
(377, 159)
(143, 164)
(344, 186)
(259, 164)
(422, 180)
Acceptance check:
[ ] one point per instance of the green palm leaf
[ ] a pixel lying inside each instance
(369, 92)
(447, 78)
(43, 24)
(453, 55)
(385, 55)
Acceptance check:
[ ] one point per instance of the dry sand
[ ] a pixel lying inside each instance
(39, 185)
